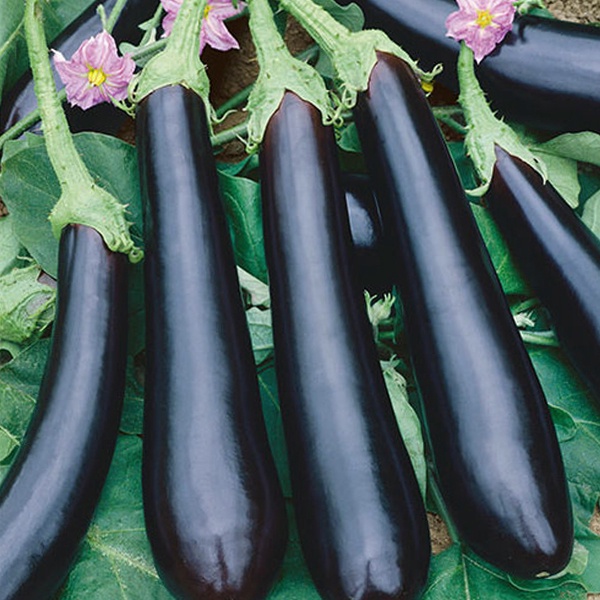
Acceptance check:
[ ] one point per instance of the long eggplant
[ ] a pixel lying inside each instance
(495, 449)
(215, 513)
(559, 255)
(105, 118)
(544, 73)
(51, 490)
(359, 511)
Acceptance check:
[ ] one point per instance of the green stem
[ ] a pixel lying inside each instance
(114, 15)
(234, 133)
(452, 123)
(321, 26)
(24, 124)
(268, 42)
(63, 155)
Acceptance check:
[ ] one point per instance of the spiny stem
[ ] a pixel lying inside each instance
(114, 15)
(65, 159)
(229, 135)
(267, 40)
(321, 26)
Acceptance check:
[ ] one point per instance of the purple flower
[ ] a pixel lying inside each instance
(213, 32)
(95, 73)
(482, 24)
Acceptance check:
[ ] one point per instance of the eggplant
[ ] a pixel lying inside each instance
(51, 490)
(368, 238)
(360, 515)
(559, 256)
(104, 118)
(495, 449)
(215, 513)
(544, 73)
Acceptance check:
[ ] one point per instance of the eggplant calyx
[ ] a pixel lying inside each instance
(179, 63)
(279, 73)
(485, 130)
(352, 53)
(94, 207)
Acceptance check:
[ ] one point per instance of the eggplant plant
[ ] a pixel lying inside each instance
(268, 446)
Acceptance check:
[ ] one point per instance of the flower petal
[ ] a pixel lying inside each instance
(215, 34)
(98, 53)
(482, 37)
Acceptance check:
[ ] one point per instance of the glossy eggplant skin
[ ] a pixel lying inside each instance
(494, 444)
(360, 515)
(51, 490)
(368, 237)
(559, 255)
(544, 73)
(104, 118)
(215, 513)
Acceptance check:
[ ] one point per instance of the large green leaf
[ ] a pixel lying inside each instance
(459, 575)
(30, 189)
(26, 306)
(19, 383)
(243, 207)
(510, 277)
(116, 561)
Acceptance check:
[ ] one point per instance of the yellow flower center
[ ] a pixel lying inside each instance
(427, 86)
(484, 18)
(207, 9)
(96, 77)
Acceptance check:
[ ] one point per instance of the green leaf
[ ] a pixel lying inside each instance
(562, 175)
(11, 251)
(565, 390)
(19, 383)
(348, 139)
(460, 575)
(510, 277)
(464, 165)
(267, 382)
(591, 213)
(349, 15)
(261, 333)
(294, 582)
(408, 423)
(132, 418)
(243, 206)
(30, 189)
(136, 309)
(26, 305)
(115, 560)
(254, 291)
(582, 147)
